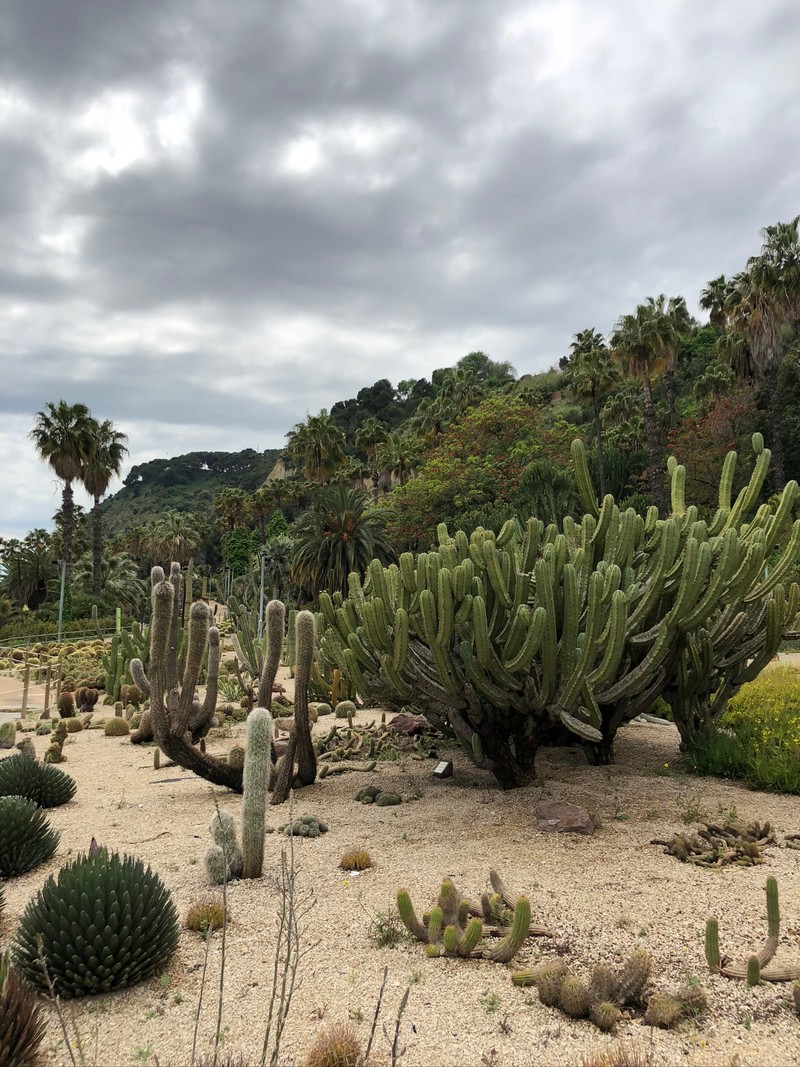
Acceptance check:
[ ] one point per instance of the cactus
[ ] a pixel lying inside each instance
(455, 926)
(258, 736)
(529, 636)
(300, 748)
(756, 969)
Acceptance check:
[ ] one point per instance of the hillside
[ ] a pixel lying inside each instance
(183, 483)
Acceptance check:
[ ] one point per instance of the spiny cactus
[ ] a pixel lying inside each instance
(26, 837)
(257, 763)
(455, 926)
(22, 1024)
(46, 786)
(104, 922)
(116, 727)
(756, 968)
(300, 748)
(532, 635)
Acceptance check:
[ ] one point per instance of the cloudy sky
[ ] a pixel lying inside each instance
(217, 217)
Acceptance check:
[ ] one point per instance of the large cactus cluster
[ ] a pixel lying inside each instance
(178, 719)
(522, 638)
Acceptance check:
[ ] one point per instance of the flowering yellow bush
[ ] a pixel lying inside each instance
(768, 709)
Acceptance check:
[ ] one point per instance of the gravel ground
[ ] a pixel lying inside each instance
(603, 896)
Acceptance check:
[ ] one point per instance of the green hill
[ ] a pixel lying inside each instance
(183, 483)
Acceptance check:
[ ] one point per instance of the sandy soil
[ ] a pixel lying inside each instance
(603, 896)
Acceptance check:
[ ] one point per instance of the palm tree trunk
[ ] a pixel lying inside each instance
(97, 548)
(598, 431)
(669, 389)
(653, 449)
(67, 521)
(776, 415)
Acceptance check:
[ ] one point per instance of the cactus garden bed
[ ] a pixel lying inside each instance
(603, 898)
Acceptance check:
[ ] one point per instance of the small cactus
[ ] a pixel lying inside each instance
(357, 860)
(116, 727)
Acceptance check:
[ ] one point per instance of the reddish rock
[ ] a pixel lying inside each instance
(557, 816)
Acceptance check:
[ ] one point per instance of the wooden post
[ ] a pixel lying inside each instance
(26, 681)
(47, 677)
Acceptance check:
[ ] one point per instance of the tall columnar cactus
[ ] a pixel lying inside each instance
(257, 765)
(300, 748)
(535, 634)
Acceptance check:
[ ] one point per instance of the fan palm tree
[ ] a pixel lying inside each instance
(62, 434)
(643, 344)
(103, 463)
(371, 433)
(590, 376)
(673, 323)
(318, 444)
(432, 416)
(338, 534)
(713, 300)
(233, 507)
(399, 455)
(178, 534)
(29, 569)
(121, 582)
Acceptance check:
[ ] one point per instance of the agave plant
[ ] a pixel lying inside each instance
(104, 922)
(21, 1021)
(26, 837)
(44, 784)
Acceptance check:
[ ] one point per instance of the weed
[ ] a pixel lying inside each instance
(318, 1012)
(746, 1020)
(387, 930)
(490, 1058)
(415, 978)
(690, 806)
(619, 814)
(356, 1015)
(729, 815)
(505, 1026)
(491, 1002)
(177, 997)
(143, 1052)
(644, 931)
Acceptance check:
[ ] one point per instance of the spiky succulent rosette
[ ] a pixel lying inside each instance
(42, 783)
(105, 922)
(26, 837)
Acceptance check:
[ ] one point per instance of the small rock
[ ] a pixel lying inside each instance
(408, 725)
(558, 816)
(443, 769)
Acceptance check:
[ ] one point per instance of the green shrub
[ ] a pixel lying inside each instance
(758, 737)
(26, 837)
(105, 922)
(42, 783)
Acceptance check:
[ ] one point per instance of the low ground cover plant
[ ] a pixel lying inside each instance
(758, 738)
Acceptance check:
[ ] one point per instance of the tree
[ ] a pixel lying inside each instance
(29, 568)
(318, 444)
(490, 372)
(713, 299)
(590, 376)
(338, 534)
(177, 534)
(399, 455)
(122, 586)
(673, 324)
(233, 507)
(370, 434)
(762, 310)
(62, 434)
(643, 344)
(103, 462)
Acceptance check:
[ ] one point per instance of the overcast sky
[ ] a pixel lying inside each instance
(217, 217)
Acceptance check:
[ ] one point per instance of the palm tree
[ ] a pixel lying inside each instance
(62, 434)
(399, 454)
(762, 302)
(713, 300)
(715, 381)
(121, 582)
(338, 534)
(233, 507)
(29, 568)
(590, 375)
(462, 388)
(371, 433)
(178, 534)
(277, 554)
(674, 324)
(644, 344)
(432, 416)
(103, 463)
(318, 443)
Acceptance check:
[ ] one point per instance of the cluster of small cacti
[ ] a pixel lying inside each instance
(55, 750)
(757, 968)
(104, 922)
(374, 741)
(119, 653)
(456, 926)
(8, 735)
(86, 697)
(608, 990)
(26, 837)
(718, 846)
(22, 1024)
(304, 826)
(525, 637)
(45, 785)
(375, 794)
